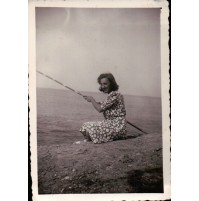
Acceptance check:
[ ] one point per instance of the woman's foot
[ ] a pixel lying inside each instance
(81, 142)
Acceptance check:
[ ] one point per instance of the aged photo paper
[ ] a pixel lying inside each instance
(70, 44)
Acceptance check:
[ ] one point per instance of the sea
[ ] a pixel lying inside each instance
(60, 114)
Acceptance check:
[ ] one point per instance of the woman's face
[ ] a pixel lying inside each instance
(105, 85)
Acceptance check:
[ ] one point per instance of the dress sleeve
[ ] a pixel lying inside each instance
(111, 99)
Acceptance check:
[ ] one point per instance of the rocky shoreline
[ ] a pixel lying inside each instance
(133, 165)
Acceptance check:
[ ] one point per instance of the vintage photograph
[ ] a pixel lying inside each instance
(100, 101)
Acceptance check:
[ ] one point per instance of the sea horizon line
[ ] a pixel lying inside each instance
(125, 94)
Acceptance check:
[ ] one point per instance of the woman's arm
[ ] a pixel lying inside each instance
(96, 105)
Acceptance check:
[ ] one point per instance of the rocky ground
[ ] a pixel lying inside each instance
(133, 165)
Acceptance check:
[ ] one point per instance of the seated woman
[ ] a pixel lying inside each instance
(113, 127)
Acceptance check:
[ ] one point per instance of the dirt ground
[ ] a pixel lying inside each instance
(133, 165)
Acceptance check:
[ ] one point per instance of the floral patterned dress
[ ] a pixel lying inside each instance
(113, 127)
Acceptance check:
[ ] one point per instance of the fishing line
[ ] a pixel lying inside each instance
(82, 96)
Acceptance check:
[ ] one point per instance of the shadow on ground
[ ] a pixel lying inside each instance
(146, 181)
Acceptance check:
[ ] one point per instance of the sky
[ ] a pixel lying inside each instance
(76, 45)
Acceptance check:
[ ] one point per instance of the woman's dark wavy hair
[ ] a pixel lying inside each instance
(113, 84)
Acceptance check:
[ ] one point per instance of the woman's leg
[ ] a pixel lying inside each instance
(87, 136)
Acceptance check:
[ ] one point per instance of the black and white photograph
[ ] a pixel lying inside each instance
(99, 100)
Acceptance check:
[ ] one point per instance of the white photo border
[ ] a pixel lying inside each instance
(163, 4)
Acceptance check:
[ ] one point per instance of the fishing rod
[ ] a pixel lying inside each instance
(60, 83)
(82, 96)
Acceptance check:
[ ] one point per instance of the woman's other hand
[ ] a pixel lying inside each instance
(88, 98)
(96, 105)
